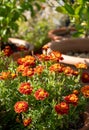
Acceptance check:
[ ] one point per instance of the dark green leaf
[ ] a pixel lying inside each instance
(69, 9)
(78, 9)
(38, 6)
(61, 9)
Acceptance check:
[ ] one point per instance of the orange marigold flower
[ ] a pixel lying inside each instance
(75, 72)
(7, 51)
(21, 48)
(27, 121)
(29, 62)
(56, 56)
(85, 91)
(21, 68)
(67, 70)
(43, 57)
(56, 67)
(20, 61)
(25, 88)
(85, 77)
(76, 92)
(41, 94)
(81, 66)
(21, 106)
(5, 75)
(62, 108)
(72, 99)
(13, 75)
(38, 69)
(45, 47)
(28, 72)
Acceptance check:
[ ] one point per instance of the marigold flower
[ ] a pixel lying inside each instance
(20, 61)
(85, 77)
(28, 72)
(21, 106)
(21, 48)
(76, 92)
(56, 56)
(45, 47)
(67, 70)
(13, 75)
(21, 68)
(38, 69)
(7, 51)
(27, 121)
(5, 75)
(43, 57)
(72, 99)
(25, 88)
(81, 66)
(56, 67)
(85, 91)
(27, 60)
(41, 94)
(75, 72)
(62, 108)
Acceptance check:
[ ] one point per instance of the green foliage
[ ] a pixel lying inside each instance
(11, 11)
(78, 11)
(37, 33)
(46, 75)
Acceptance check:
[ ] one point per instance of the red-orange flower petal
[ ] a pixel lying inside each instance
(38, 69)
(85, 91)
(25, 88)
(72, 99)
(21, 106)
(56, 67)
(41, 94)
(62, 108)
(27, 121)
(28, 72)
(81, 66)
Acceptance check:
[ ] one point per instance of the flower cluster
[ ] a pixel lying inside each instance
(21, 106)
(8, 50)
(48, 94)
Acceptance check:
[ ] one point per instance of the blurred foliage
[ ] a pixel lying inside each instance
(11, 11)
(37, 33)
(78, 11)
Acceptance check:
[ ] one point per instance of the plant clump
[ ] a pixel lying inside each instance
(41, 93)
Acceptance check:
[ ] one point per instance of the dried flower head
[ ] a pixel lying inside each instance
(85, 77)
